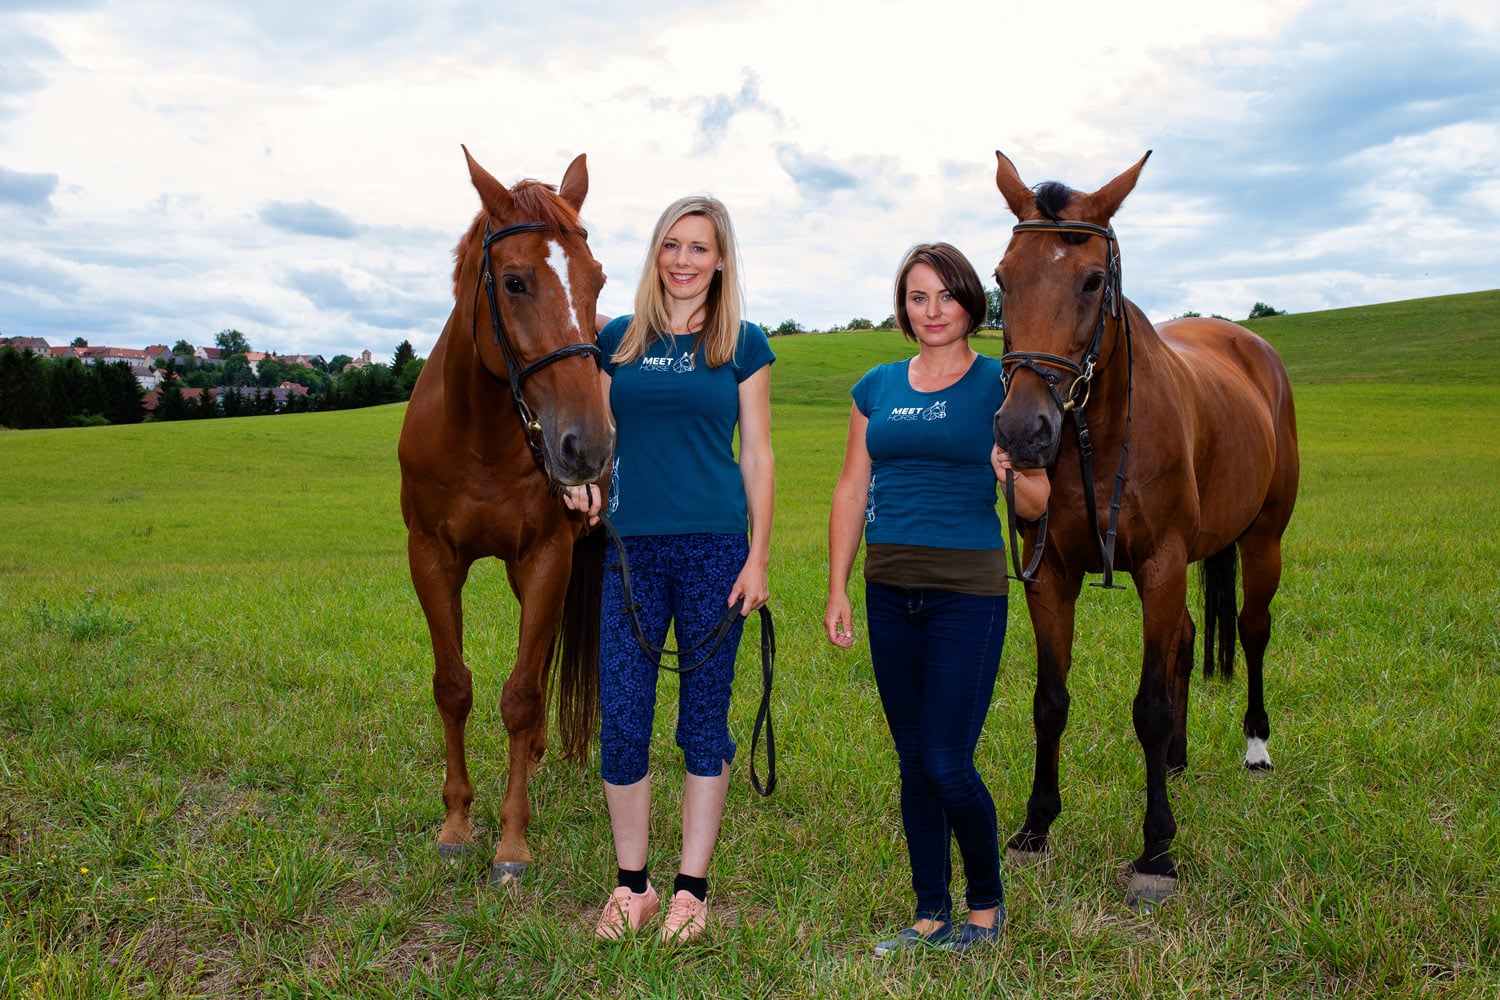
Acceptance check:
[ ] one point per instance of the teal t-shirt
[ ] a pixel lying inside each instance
(931, 482)
(675, 471)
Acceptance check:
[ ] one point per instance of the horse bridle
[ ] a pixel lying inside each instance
(1051, 368)
(517, 373)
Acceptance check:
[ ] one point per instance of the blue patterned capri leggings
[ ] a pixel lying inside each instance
(684, 580)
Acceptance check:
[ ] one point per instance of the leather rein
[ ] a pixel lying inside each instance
(517, 373)
(1053, 370)
(707, 645)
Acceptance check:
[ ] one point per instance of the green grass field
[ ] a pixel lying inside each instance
(220, 761)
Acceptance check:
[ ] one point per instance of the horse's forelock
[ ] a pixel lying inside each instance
(539, 202)
(1052, 197)
(535, 201)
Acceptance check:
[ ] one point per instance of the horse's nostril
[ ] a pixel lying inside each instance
(568, 446)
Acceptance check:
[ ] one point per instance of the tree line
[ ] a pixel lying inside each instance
(37, 390)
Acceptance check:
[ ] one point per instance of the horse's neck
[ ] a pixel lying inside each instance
(476, 399)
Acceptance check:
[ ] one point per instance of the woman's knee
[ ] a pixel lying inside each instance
(952, 781)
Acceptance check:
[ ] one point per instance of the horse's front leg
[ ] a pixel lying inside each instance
(1163, 589)
(540, 582)
(1051, 604)
(438, 575)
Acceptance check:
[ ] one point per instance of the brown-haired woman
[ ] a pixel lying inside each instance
(919, 485)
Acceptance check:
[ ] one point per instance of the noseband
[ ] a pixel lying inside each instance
(516, 372)
(1051, 368)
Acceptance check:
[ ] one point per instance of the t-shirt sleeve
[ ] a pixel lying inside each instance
(864, 391)
(609, 341)
(754, 352)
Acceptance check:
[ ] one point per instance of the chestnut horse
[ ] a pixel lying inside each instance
(509, 407)
(1195, 420)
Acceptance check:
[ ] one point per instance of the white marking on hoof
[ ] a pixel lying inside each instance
(1256, 757)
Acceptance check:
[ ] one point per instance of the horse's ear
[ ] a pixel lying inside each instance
(1105, 202)
(1017, 195)
(492, 193)
(575, 183)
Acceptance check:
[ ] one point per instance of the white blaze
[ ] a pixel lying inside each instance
(557, 259)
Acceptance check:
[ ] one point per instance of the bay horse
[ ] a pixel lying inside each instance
(1199, 413)
(509, 408)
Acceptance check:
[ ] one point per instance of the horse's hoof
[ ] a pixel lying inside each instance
(454, 852)
(1147, 892)
(1259, 768)
(1028, 859)
(506, 873)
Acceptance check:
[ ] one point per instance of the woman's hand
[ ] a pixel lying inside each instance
(584, 499)
(752, 585)
(1033, 488)
(838, 621)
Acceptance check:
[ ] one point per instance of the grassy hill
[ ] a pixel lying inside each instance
(1452, 339)
(1449, 339)
(220, 761)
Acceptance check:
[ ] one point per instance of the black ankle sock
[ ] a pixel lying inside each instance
(692, 883)
(635, 881)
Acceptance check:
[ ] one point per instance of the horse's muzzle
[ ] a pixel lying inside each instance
(1028, 434)
(580, 456)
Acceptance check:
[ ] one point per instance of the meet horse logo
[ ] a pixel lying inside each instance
(937, 411)
(677, 366)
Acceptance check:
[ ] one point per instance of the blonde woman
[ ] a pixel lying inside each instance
(682, 373)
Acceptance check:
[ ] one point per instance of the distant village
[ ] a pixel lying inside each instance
(42, 385)
(150, 366)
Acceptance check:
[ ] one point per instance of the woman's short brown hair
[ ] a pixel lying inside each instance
(956, 274)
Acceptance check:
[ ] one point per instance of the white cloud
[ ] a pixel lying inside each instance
(294, 171)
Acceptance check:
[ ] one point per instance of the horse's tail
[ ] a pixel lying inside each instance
(1220, 610)
(577, 662)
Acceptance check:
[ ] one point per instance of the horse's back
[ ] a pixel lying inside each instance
(1227, 353)
(1241, 400)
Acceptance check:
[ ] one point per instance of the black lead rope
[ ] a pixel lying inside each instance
(708, 645)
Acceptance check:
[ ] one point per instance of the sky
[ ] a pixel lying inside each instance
(293, 171)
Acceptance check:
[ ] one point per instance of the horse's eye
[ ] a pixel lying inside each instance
(514, 285)
(1094, 282)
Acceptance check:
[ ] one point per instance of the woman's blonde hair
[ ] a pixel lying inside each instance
(721, 321)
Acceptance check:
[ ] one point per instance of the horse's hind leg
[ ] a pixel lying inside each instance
(1260, 562)
(1178, 681)
(438, 576)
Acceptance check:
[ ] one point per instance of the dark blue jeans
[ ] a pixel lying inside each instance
(936, 654)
